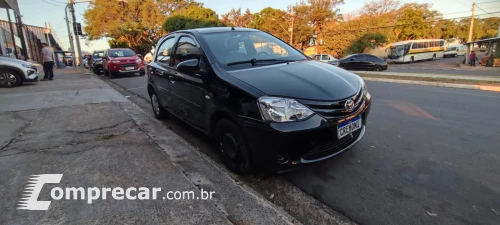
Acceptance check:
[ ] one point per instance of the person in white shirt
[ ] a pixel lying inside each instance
(48, 63)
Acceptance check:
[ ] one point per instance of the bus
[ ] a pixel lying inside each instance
(415, 50)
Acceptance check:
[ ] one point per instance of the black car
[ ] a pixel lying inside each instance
(361, 62)
(269, 106)
(97, 61)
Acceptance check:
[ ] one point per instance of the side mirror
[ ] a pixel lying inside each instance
(188, 66)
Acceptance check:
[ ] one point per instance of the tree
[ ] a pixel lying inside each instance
(321, 11)
(273, 21)
(368, 40)
(236, 19)
(194, 16)
(134, 22)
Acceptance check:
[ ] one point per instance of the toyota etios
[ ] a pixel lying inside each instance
(263, 101)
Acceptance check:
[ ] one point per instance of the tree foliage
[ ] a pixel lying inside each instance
(194, 16)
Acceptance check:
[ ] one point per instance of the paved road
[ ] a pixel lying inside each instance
(439, 66)
(430, 156)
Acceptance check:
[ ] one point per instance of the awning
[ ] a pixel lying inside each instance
(10, 4)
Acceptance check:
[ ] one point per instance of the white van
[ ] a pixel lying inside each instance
(454, 50)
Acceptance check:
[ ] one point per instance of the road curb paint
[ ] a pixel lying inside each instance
(488, 88)
(437, 84)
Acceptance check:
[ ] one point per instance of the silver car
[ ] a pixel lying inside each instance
(14, 72)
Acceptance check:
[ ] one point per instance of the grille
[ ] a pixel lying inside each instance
(331, 147)
(128, 64)
(335, 109)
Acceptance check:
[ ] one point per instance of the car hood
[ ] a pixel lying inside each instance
(301, 80)
(130, 59)
(15, 60)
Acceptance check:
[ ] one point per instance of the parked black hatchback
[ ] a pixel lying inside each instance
(262, 101)
(361, 62)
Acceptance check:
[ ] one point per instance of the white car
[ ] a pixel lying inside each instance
(14, 72)
(323, 58)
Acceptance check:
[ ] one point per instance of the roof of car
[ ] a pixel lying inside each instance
(208, 30)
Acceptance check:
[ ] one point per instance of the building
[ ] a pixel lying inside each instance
(34, 36)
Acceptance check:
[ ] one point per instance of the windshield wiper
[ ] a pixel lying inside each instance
(254, 60)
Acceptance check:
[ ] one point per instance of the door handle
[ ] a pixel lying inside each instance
(172, 79)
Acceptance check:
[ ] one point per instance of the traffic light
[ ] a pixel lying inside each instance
(77, 28)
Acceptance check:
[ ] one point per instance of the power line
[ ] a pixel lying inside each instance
(52, 3)
(481, 9)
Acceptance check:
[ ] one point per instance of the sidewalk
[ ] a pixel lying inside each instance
(78, 126)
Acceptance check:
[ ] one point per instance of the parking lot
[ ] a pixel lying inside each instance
(428, 157)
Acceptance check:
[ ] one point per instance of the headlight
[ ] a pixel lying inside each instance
(276, 109)
(364, 89)
(27, 65)
(115, 61)
(138, 60)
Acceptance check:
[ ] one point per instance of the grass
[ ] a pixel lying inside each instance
(433, 79)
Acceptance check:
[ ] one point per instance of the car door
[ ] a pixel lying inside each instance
(161, 67)
(371, 62)
(188, 90)
(350, 63)
(361, 62)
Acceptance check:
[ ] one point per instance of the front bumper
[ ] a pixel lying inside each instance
(280, 145)
(30, 75)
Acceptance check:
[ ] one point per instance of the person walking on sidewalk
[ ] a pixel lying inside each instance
(473, 58)
(48, 63)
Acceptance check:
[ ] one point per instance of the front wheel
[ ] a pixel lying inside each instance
(232, 146)
(377, 68)
(433, 57)
(9, 79)
(411, 60)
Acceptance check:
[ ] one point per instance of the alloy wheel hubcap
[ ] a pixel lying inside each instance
(156, 104)
(8, 79)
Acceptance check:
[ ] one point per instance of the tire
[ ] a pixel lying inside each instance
(433, 57)
(9, 79)
(97, 72)
(411, 60)
(232, 147)
(158, 110)
(377, 68)
(106, 73)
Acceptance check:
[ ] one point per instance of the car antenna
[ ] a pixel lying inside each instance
(232, 28)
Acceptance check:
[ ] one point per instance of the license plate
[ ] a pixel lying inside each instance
(348, 127)
(129, 68)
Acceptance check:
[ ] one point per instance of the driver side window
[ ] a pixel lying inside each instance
(165, 51)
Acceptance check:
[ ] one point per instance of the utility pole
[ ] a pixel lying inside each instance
(79, 51)
(47, 32)
(70, 36)
(472, 22)
(291, 31)
(20, 32)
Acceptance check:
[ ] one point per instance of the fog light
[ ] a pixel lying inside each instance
(282, 159)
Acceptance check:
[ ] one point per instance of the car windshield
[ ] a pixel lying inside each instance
(121, 53)
(397, 50)
(231, 47)
(451, 49)
(98, 55)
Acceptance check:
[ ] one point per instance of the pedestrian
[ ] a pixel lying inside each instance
(48, 63)
(473, 58)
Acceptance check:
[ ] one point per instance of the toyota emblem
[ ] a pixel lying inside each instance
(349, 105)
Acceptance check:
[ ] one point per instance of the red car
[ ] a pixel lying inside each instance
(121, 61)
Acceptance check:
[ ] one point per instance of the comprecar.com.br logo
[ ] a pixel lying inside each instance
(29, 199)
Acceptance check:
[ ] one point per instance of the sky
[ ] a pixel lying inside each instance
(39, 12)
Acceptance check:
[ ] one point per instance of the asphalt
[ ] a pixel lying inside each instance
(430, 156)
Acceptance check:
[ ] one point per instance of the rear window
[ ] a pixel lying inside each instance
(121, 53)
(98, 54)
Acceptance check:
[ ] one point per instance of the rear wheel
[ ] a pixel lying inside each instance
(232, 146)
(433, 57)
(159, 111)
(9, 78)
(378, 68)
(411, 60)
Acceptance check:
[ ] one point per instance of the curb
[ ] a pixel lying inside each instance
(437, 84)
